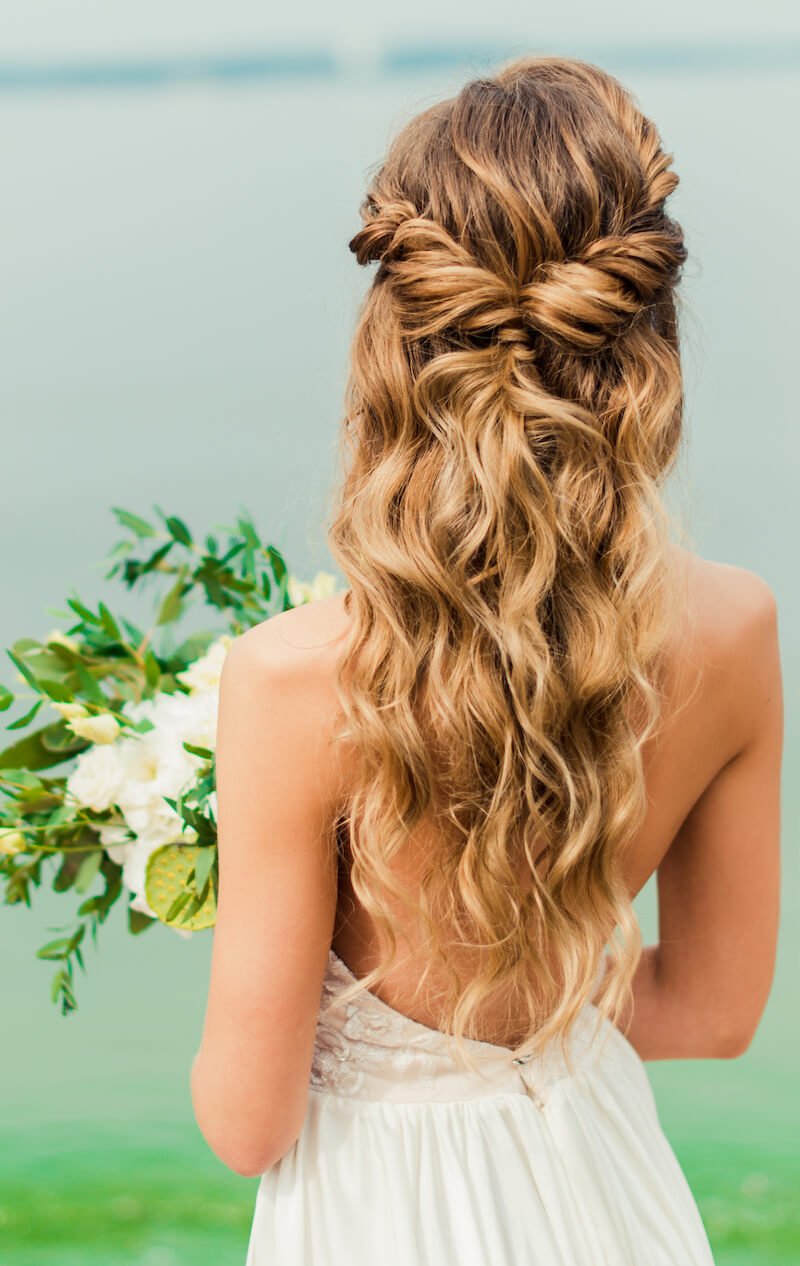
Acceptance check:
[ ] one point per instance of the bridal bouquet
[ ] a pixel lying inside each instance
(117, 790)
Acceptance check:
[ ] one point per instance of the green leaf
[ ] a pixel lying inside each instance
(54, 949)
(55, 987)
(24, 644)
(55, 690)
(141, 726)
(7, 697)
(179, 530)
(140, 526)
(278, 565)
(21, 776)
(195, 903)
(88, 870)
(152, 668)
(58, 737)
(190, 649)
(138, 921)
(29, 715)
(68, 871)
(31, 751)
(54, 660)
(109, 623)
(83, 611)
(90, 687)
(202, 868)
(24, 669)
(197, 750)
(172, 605)
(177, 905)
(77, 937)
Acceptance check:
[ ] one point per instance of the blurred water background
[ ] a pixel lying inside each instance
(177, 299)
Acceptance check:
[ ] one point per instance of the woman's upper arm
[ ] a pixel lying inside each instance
(718, 884)
(277, 899)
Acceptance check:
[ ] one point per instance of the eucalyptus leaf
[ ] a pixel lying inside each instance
(30, 752)
(140, 526)
(55, 987)
(279, 569)
(87, 870)
(90, 687)
(109, 623)
(138, 921)
(84, 611)
(172, 605)
(152, 668)
(24, 644)
(54, 949)
(177, 905)
(179, 530)
(28, 717)
(58, 737)
(55, 690)
(24, 669)
(202, 867)
(68, 870)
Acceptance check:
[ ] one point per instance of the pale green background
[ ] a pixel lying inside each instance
(176, 304)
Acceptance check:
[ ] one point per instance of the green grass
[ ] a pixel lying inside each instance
(749, 1200)
(155, 1196)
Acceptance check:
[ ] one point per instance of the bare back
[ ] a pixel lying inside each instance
(714, 701)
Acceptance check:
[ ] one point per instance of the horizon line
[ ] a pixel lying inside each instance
(329, 62)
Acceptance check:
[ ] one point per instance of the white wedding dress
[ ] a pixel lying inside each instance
(405, 1159)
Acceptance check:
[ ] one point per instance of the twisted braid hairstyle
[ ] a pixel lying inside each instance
(513, 406)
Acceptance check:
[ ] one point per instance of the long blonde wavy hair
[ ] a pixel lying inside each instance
(514, 402)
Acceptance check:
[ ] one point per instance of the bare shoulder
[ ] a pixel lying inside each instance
(735, 610)
(734, 638)
(303, 640)
(293, 657)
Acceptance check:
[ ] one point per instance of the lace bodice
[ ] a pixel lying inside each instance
(364, 1049)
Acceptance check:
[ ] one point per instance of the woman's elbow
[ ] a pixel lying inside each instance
(730, 1041)
(245, 1155)
(240, 1157)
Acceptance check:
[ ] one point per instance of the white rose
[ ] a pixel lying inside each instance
(97, 778)
(102, 728)
(115, 839)
(204, 673)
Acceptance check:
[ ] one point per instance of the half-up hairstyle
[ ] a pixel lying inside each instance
(513, 406)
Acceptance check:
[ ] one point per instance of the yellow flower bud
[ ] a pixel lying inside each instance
(12, 842)
(71, 710)
(98, 729)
